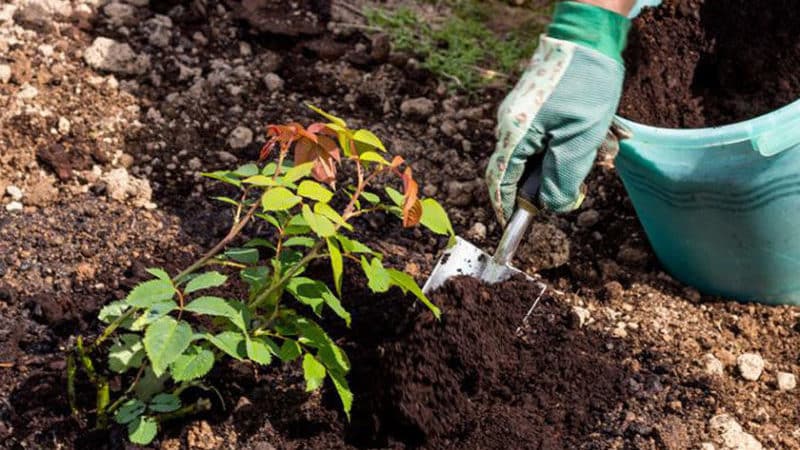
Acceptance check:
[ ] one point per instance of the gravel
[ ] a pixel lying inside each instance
(750, 366)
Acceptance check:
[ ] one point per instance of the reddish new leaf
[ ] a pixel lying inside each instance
(412, 207)
(325, 155)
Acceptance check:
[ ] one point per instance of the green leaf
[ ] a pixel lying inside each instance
(164, 403)
(150, 292)
(158, 273)
(260, 181)
(269, 219)
(258, 351)
(394, 195)
(367, 137)
(195, 363)
(247, 170)
(315, 191)
(313, 372)
(129, 411)
(153, 313)
(150, 384)
(269, 169)
(312, 335)
(127, 353)
(279, 199)
(328, 116)
(164, 341)
(343, 389)
(258, 242)
(373, 157)
(370, 197)
(337, 264)
(205, 280)
(434, 217)
(297, 172)
(227, 200)
(112, 311)
(324, 209)
(407, 283)
(378, 279)
(299, 241)
(143, 430)
(353, 246)
(215, 306)
(224, 176)
(290, 350)
(333, 357)
(308, 292)
(229, 342)
(243, 255)
(255, 277)
(318, 223)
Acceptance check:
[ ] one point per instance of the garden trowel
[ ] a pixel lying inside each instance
(464, 258)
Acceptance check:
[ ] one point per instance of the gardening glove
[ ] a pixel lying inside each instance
(562, 106)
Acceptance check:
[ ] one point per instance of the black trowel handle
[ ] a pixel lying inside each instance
(531, 181)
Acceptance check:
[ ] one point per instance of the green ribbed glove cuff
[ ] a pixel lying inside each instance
(591, 26)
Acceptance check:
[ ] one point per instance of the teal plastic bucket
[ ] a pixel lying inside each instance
(721, 206)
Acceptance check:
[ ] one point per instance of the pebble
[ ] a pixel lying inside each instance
(786, 381)
(112, 56)
(240, 137)
(273, 81)
(581, 316)
(14, 206)
(477, 231)
(7, 13)
(731, 435)
(707, 446)
(14, 192)
(712, 365)
(5, 73)
(619, 331)
(226, 157)
(119, 13)
(27, 92)
(588, 218)
(158, 30)
(750, 366)
(195, 164)
(613, 291)
(64, 125)
(420, 107)
(448, 128)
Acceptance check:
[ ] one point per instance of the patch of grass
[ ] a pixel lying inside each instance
(461, 49)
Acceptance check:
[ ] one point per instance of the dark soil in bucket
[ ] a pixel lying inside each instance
(693, 63)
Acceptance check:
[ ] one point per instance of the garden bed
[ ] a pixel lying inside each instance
(617, 354)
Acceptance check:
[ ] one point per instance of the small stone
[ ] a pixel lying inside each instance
(580, 316)
(125, 160)
(202, 437)
(420, 107)
(120, 13)
(7, 13)
(245, 49)
(619, 331)
(632, 256)
(121, 186)
(240, 137)
(477, 231)
(14, 206)
(273, 81)
(448, 128)
(786, 381)
(226, 157)
(27, 92)
(588, 218)
(158, 30)
(750, 366)
(5, 73)
(194, 164)
(712, 365)
(42, 193)
(63, 125)
(731, 435)
(14, 192)
(461, 193)
(112, 56)
(707, 446)
(612, 291)
(46, 50)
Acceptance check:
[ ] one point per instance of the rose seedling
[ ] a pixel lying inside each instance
(170, 330)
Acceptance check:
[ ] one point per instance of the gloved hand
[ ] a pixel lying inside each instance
(562, 105)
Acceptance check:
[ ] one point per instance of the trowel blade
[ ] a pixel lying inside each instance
(464, 258)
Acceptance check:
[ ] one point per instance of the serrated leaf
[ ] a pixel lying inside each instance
(224, 176)
(407, 283)
(337, 264)
(312, 335)
(321, 225)
(205, 280)
(333, 357)
(150, 292)
(247, 170)
(216, 306)
(243, 255)
(229, 342)
(325, 210)
(258, 351)
(315, 191)
(434, 217)
(159, 273)
(343, 389)
(313, 372)
(260, 181)
(164, 340)
(126, 353)
(143, 430)
(129, 411)
(194, 363)
(378, 279)
(369, 138)
(113, 311)
(153, 313)
(327, 115)
(290, 350)
(370, 197)
(279, 199)
(164, 403)
(150, 384)
(299, 241)
(297, 172)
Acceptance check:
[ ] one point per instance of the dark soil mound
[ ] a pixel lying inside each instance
(695, 63)
(469, 381)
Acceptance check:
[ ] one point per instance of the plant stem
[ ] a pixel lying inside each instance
(200, 405)
(111, 328)
(262, 297)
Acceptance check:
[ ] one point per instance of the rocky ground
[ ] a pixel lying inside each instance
(110, 110)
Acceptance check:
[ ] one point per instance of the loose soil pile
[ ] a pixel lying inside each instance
(693, 63)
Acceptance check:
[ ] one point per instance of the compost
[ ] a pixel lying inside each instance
(693, 63)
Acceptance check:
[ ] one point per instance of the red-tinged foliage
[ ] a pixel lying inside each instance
(412, 207)
(325, 155)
